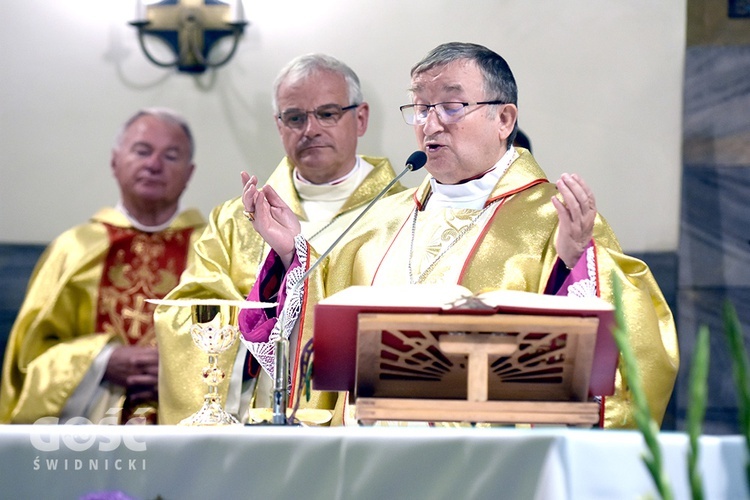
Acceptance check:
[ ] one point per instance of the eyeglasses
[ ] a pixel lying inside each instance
(448, 112)
(327, 115)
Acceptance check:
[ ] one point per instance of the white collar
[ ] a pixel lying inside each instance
(299, 178)
(142, 227)
(471, 194)
(339, 190)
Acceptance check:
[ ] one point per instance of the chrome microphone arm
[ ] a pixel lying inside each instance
(281, 359)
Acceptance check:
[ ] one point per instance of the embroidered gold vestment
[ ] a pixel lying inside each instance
(224, 266)
(88, 289)
(514, 250)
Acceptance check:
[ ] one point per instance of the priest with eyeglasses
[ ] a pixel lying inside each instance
(485, 217)
(320, 113)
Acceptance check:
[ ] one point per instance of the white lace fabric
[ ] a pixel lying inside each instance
(265, 352)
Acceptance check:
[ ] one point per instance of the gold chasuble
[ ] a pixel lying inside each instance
(88, 289)
(227, 257)
(508, 244)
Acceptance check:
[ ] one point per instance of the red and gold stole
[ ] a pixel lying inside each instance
(139, 266)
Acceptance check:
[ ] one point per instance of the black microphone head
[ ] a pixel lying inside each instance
(416, 160)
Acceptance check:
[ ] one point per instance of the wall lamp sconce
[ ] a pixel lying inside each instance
(190, 28)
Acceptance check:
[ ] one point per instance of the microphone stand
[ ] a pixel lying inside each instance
(280, 387)
(281, 359)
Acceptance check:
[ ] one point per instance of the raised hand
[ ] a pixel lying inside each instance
(271, 217)
(576, 212)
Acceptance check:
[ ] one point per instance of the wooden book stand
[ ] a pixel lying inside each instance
(495, 368)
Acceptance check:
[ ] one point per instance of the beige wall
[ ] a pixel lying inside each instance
(600, 94)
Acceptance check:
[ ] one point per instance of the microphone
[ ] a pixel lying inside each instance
(415, 161)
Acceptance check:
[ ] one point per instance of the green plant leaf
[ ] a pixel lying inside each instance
(646, 424)
(740, 364)
(697, 408)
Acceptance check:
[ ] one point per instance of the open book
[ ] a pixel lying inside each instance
(336, 323)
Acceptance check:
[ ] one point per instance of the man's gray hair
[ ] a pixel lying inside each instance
(499, 82)
(164, 114)
(303, 66)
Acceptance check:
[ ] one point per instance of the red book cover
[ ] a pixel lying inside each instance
(336, 319)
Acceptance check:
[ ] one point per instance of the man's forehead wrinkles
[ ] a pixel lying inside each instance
(446, 88)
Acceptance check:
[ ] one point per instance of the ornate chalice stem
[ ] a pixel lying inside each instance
(213, 375)
(214, 331)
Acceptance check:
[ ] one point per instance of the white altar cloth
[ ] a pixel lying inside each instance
(267, 462)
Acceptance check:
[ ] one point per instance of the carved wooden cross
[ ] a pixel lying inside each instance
(478, 348)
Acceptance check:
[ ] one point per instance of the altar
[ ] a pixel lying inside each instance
(145, 462)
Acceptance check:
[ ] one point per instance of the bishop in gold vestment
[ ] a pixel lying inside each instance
(507, 243)
(87, 292)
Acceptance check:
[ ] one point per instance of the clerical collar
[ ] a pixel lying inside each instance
(474, 192)
(143, 227)
(339, 190)
(298, 175)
